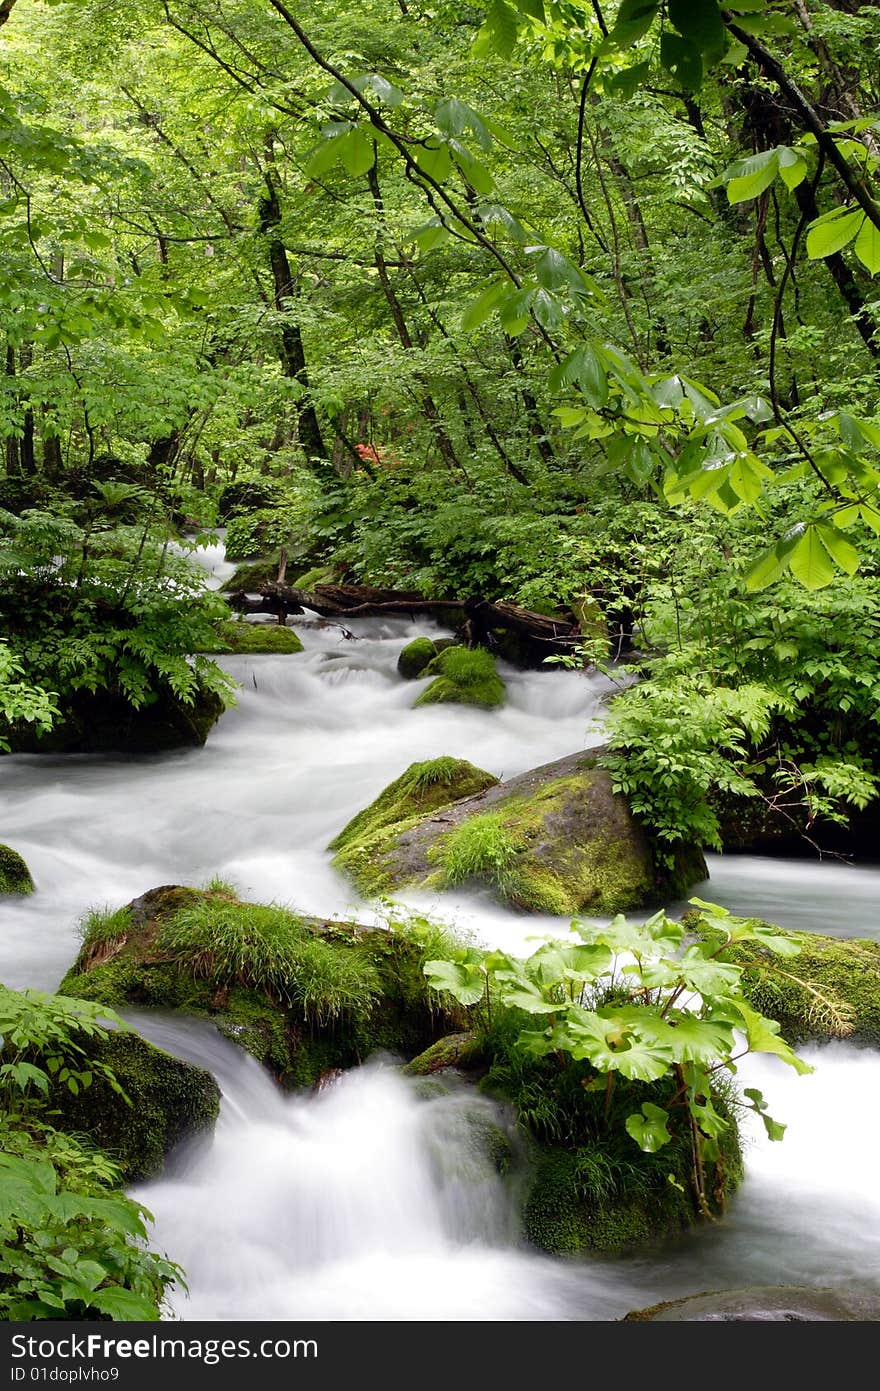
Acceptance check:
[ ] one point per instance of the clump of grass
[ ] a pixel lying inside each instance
(465, 676)
(104, 932)
(482, 847)
(269, 948)
(218, 885)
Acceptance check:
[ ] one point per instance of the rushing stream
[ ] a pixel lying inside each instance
(368, 1200)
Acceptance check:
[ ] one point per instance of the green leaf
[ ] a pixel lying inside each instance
(634, 18)
(749, 177)
(649, 1129)
(499, 32)
(683, 59)
(124, 1305)
(811, 562)
(357, 152)
(483, 307)
(627, 82)
(867, 246)
(792, 167)
(763, 1037)
(464, 981)
(831, 233)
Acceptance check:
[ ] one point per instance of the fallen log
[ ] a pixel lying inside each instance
(477, 622)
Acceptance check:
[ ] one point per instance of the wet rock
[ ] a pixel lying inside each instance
(554, 840)
(171, 1101)
(418, 654)
(242, 638)
(764, 1304)
(463, 676)
(303, 995)
(15, 877)
(102, 722)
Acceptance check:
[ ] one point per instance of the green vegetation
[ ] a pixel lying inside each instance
(15, 877)
(363, 846)
(303, 995)
(615, 1050)
(417, 655)
(462, 676)
(72, 1246)
(245, 638)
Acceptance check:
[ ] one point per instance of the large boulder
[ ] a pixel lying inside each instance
(171, 1101)
(305, 996)
(418, 654)
(554, 840)
(103, 722)
(15, 877)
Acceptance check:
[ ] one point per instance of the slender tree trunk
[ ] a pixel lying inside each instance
(292, 352)
(12, 457)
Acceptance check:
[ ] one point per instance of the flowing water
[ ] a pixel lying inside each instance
(370, 1200)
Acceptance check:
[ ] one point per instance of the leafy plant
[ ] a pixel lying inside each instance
(635, 1007)
(71, 1245)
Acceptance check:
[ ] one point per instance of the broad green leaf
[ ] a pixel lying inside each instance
(683, 59)
(792, 167)
(483, 308)
(650, 1129)
(811, 562)
(634, 18)
(763, 1037)
(124, 1305)
(357, 152)
(465, 982)
(831, 233)
(700, 1040)
(749, 177)
(867, 246)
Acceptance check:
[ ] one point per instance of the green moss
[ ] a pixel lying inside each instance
(529, 860)
(252, 573)
(461, 1050)
(364, 845)
(418, 654)
(244, 638)
(15, 877)
(831, 989)
(590, 1187)
(317, 575)
(171, 1101)
(463, 676)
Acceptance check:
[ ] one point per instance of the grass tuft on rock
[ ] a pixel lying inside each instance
(463, 676)
(271, 949)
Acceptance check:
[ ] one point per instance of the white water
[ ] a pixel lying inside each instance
(368, 1202)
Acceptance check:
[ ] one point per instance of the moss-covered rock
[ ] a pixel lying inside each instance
(418, 654)
(463, 676)
(171, 1101)
(422, 789)
(243, 638)
(554, 840)
(831, 989)
(303, 995)
(461, 1051)
(15, 877)
(248, 576)
(104, 722)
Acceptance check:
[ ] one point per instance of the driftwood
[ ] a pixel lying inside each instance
(476, 621)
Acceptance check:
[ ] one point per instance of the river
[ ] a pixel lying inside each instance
(370, 1201)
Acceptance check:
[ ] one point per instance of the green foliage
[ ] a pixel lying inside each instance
(634, 1007)
(71, 1245)
(270, 949)
(482, 846)
(463, 676)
